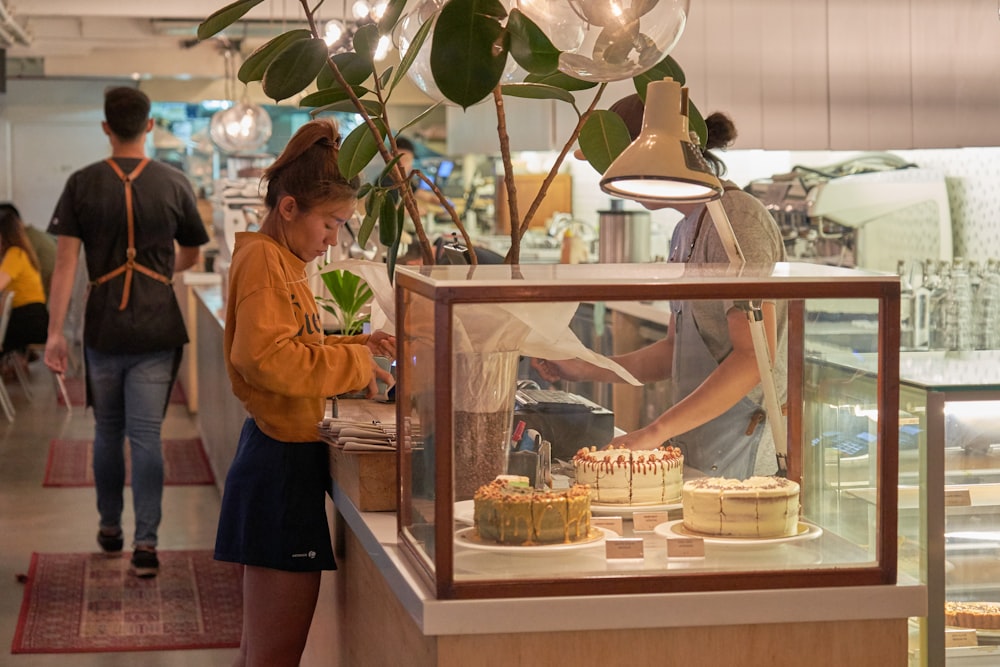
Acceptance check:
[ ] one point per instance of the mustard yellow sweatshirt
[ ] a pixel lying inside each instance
(281, 365)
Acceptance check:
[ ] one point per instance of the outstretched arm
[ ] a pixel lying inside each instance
(728, 383)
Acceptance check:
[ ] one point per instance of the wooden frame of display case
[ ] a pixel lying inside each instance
(457, 285)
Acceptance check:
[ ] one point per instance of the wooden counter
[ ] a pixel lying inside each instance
(220, 413)
(388, 617)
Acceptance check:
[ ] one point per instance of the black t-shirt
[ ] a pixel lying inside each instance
(92, 208)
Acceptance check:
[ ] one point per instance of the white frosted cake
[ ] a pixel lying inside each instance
(763, 507)
(626, 477)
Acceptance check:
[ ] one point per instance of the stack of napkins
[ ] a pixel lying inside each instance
(358, 436)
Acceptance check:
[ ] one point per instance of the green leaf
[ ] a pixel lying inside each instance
(603, 137)
(529, 45)
(468, 55)
(390, 16)
(353, 68)
(255, 65)
(560, 80)
(358, 149)
(348, 294)
(330, 96)
(696, 123)
(347, 106)
(373, 207)
(392, 252)
(411, 53)
(537, 91)
(364, 190)
(420, 116)
(294, 68)
(225, 17)
(387, 222)
(366, 42)
(667, 67)
(388, 167)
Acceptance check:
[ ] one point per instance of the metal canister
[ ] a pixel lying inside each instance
(624, 236)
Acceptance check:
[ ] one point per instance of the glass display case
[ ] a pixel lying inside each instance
(461, 333)
(949, 482)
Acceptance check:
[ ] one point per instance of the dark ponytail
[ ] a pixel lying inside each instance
(307, 168)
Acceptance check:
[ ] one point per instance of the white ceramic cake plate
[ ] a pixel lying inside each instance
(464, 512)
(467, 537)
(806, 531)
(625, 511)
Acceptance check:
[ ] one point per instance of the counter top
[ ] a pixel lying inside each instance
(377, 533)
(210, 295)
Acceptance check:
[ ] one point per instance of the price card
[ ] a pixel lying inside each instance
(685, 547)
(957, 498)
(954, 638)
(612, 523)
(647, 521)
(626, 547)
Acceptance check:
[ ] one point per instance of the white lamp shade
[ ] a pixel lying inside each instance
(662, 165)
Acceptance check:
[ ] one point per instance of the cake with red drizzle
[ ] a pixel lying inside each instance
(626, 477)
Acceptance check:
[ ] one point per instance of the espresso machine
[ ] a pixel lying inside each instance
(869, 212)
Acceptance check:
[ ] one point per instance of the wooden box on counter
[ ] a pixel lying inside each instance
(368, 478)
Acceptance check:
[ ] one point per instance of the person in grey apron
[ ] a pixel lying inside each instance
(727, 445)
(716, 415)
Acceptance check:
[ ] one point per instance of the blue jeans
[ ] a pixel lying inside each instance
(129, 394)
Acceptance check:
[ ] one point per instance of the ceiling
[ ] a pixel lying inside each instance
(153, 41)
(140, 38)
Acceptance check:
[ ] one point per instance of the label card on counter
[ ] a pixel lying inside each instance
(626, 547)
(612, 523)
(685, 547)
(647, 521)
(957, 498)
(955, 638)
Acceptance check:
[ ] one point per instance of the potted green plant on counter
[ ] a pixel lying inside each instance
(348, 296)
(468, 49)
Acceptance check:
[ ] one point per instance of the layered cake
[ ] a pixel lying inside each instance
(509, 511)
(627, 477)
(763, 507)
(973, 615)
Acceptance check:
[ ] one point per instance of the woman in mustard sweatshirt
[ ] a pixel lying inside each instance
(283, 367)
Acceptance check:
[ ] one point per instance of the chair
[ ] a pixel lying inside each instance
(5, 307)
(18, 361)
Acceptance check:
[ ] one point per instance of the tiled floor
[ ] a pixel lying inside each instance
(34, 518)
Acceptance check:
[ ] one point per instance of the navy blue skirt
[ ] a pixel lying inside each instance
(273, 507)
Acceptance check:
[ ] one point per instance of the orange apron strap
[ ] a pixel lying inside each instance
(130, 264)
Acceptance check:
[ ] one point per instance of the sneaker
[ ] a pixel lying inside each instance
(111, 544)
(145, 564)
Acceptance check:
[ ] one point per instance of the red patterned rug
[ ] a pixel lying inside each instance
(71, 463)
(87, 602)
(78, 396)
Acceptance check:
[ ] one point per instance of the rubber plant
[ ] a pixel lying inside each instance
(469, 50)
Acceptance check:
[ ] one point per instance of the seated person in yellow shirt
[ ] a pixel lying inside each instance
(19, 272)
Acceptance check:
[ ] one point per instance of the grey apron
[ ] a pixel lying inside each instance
(722, 447)
(727, 445)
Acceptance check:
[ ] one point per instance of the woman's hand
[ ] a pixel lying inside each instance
(382, 344)
(378, 374)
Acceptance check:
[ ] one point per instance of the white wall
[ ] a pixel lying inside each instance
(48, 130)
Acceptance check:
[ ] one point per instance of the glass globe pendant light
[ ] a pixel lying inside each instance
(608, 40)
(244, 127)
